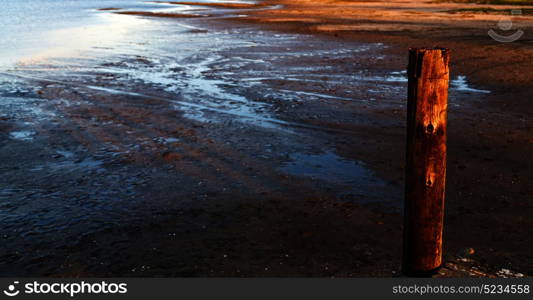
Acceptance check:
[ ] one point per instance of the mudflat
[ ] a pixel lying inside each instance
(275, 150)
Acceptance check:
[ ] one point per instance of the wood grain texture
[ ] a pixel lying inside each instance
(428, 73)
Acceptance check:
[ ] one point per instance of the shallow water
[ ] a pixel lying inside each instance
(327, 166)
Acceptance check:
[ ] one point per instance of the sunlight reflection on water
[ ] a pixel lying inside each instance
(39, 28)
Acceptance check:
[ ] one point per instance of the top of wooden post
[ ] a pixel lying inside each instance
(435, 60)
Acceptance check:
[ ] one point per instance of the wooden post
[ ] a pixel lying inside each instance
(427, 104)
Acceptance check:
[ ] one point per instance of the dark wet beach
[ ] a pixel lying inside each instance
(197, 147)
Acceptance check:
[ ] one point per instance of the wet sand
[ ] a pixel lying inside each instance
(278, 155)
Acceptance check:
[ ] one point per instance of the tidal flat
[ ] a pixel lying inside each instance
(253, 140)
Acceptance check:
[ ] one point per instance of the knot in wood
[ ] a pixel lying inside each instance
(430, 128)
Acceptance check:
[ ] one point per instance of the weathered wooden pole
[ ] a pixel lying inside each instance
(427, 104)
